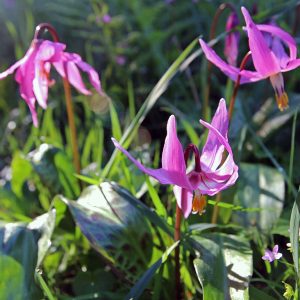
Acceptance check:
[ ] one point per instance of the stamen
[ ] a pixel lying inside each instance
(199, 203)
(280, 94)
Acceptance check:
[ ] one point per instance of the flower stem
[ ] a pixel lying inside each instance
(237, 84)
(68, 96)
(212, 35)
(177, 254)
(71, 121)
(230, 112)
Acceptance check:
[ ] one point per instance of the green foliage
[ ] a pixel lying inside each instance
(107, 233)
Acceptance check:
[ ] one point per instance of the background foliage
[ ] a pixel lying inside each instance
(114, 239)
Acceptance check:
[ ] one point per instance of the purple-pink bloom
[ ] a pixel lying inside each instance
(272, 255)
(270, 61)
(106, 18)
(213, 174)
(33, 72)
(232, 39)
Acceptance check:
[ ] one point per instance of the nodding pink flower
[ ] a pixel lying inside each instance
(270, 61)
(212, 172)
(33, 72)
(231, 49)
(272, 255)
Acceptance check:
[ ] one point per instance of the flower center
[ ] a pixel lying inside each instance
(199, 203)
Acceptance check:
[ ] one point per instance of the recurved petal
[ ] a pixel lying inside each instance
(184, 200)
(31, 52)
(93, 75)
(172, 155)
(231, 71)
(213, 149)
(263, 58)
(209, 186)
(282, 35)
(162, 175)
(292, 64)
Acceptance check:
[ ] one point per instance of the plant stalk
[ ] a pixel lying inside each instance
(212, 35)
(230, 112)
(177, 254)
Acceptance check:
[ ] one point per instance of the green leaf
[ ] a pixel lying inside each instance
(140, 286)
(115, 123)
(259, 187)
(224, 267)
(114, 221)
(258, 294)
(160, 208)
(21, 170)
(22, 248)
(294, 232)
(55, 170)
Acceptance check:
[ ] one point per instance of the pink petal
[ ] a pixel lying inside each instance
(93, 75)
(280, 53)
(283, 35)
(162, 175)
(184, 200)
(211, 187)
(74, 77)
(213, 149)
(41, 83)
(232, 39)
(292, 64)
(275, 249)
(230, 71)
(31, 51)
(172, 155)
(268, 256)
(264, 59)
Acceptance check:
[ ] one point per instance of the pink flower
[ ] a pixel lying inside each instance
(231, 49)
(33, 72)
(272, 255)
(211, 174)
(270, 61)
(106, 18)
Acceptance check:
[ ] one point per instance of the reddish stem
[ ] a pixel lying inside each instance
(212, 35)
(230, 112)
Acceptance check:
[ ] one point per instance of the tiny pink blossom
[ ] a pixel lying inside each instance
(106, 18)
(120, 60)
(212, 174)
(272, 255)
(33, 72)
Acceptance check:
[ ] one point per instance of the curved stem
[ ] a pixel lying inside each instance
(68, 97)
(230, 112)
(237, 84)
(212, 35)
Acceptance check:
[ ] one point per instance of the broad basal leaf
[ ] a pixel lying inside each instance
(112, 223)
(22, 248)
(259, 187)
(224, 266)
